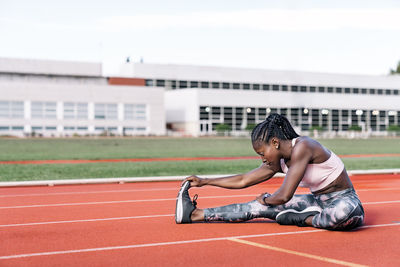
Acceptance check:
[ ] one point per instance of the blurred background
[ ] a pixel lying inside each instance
(171, 69)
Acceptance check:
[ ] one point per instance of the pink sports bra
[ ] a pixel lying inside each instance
(318, 176)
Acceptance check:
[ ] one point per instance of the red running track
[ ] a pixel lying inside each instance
(133, 225)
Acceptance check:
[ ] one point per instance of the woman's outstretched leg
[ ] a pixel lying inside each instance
(250, 210)
(186, 211)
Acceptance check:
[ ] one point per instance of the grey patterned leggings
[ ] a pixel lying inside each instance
(341, 210)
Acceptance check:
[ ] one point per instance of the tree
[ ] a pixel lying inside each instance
(250, 127)
(223, 129)
(397, 70)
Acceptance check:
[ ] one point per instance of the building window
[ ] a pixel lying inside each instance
(372, 91)
(205, 85)
(265, 87)
(160, 83)
(256, 87)
(347, 90)
(312, 89)
(295, 88)
(246, 86)
(284, 88)
(173, 84)
(11, 109)
(303, 89)
(149, 83)
(321, 89)
(236, 86)
(215, 85)
(380, 91)
(364, 91)
(17, 128)
(330, 89)
(135, 112)
(396, 92)
(182, 84)
(275, 87)
(355, 91)
(43, 110)
(105, 111)
(388, 92)
(37, 128)
(225, 85)
(338, 90)
(194, 84)
(75, 110)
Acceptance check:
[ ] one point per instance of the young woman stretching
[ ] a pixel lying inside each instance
(333, 204)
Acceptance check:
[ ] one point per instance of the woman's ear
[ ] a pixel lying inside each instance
(275, 142)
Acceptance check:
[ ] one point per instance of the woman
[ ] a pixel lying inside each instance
(333, 204)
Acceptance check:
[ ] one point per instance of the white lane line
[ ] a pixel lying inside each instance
(87, 220)
(140, 200)
(147, 190)
(174, 242)
(138, 217)
(114, 202)
(381, 202)
(378, 189)
(91, 192)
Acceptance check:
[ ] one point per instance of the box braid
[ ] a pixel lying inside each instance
(275, 125)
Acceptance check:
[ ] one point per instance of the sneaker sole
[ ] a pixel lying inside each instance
(179, 203)
(309, 209)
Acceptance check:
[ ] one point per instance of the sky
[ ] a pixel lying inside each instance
(341, 36)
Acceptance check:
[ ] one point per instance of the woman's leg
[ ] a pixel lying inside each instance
(250, 210)
(343, 212)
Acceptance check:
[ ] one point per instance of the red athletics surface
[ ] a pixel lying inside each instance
(80, 161)
(133, 225)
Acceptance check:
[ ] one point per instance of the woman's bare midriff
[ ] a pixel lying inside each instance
(341, 183)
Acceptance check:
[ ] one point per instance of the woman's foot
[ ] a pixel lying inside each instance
(197, 215)
(299, 218)
(184, 205)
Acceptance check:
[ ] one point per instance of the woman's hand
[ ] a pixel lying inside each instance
(261, 198)
(194, 180)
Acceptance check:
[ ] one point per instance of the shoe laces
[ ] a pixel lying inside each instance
(195, 200)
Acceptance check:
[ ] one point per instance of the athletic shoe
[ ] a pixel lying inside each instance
(294, 217)
(184, 206)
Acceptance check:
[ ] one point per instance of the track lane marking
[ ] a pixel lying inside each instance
(297, 253)
(117, 201)
(148, 200)
(137, 217)
(87, 220)
(151, 190)
(90, 192)
(175, 242)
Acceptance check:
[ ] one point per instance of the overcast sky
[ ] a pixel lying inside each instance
(342, 36)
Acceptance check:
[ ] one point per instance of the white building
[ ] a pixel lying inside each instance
(198, 98)
(54, 98)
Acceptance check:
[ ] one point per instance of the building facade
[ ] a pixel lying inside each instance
(199, 98)
(53, 98)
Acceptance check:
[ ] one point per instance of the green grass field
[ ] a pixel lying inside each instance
(34, 149)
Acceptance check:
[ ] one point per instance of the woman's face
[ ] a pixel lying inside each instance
(268, 152)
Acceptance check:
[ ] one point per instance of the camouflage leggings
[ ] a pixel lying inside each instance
(341, 210)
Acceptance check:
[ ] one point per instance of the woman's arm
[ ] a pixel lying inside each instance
(239, 181)
(299, 160)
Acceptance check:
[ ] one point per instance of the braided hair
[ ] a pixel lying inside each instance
(275, 125)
